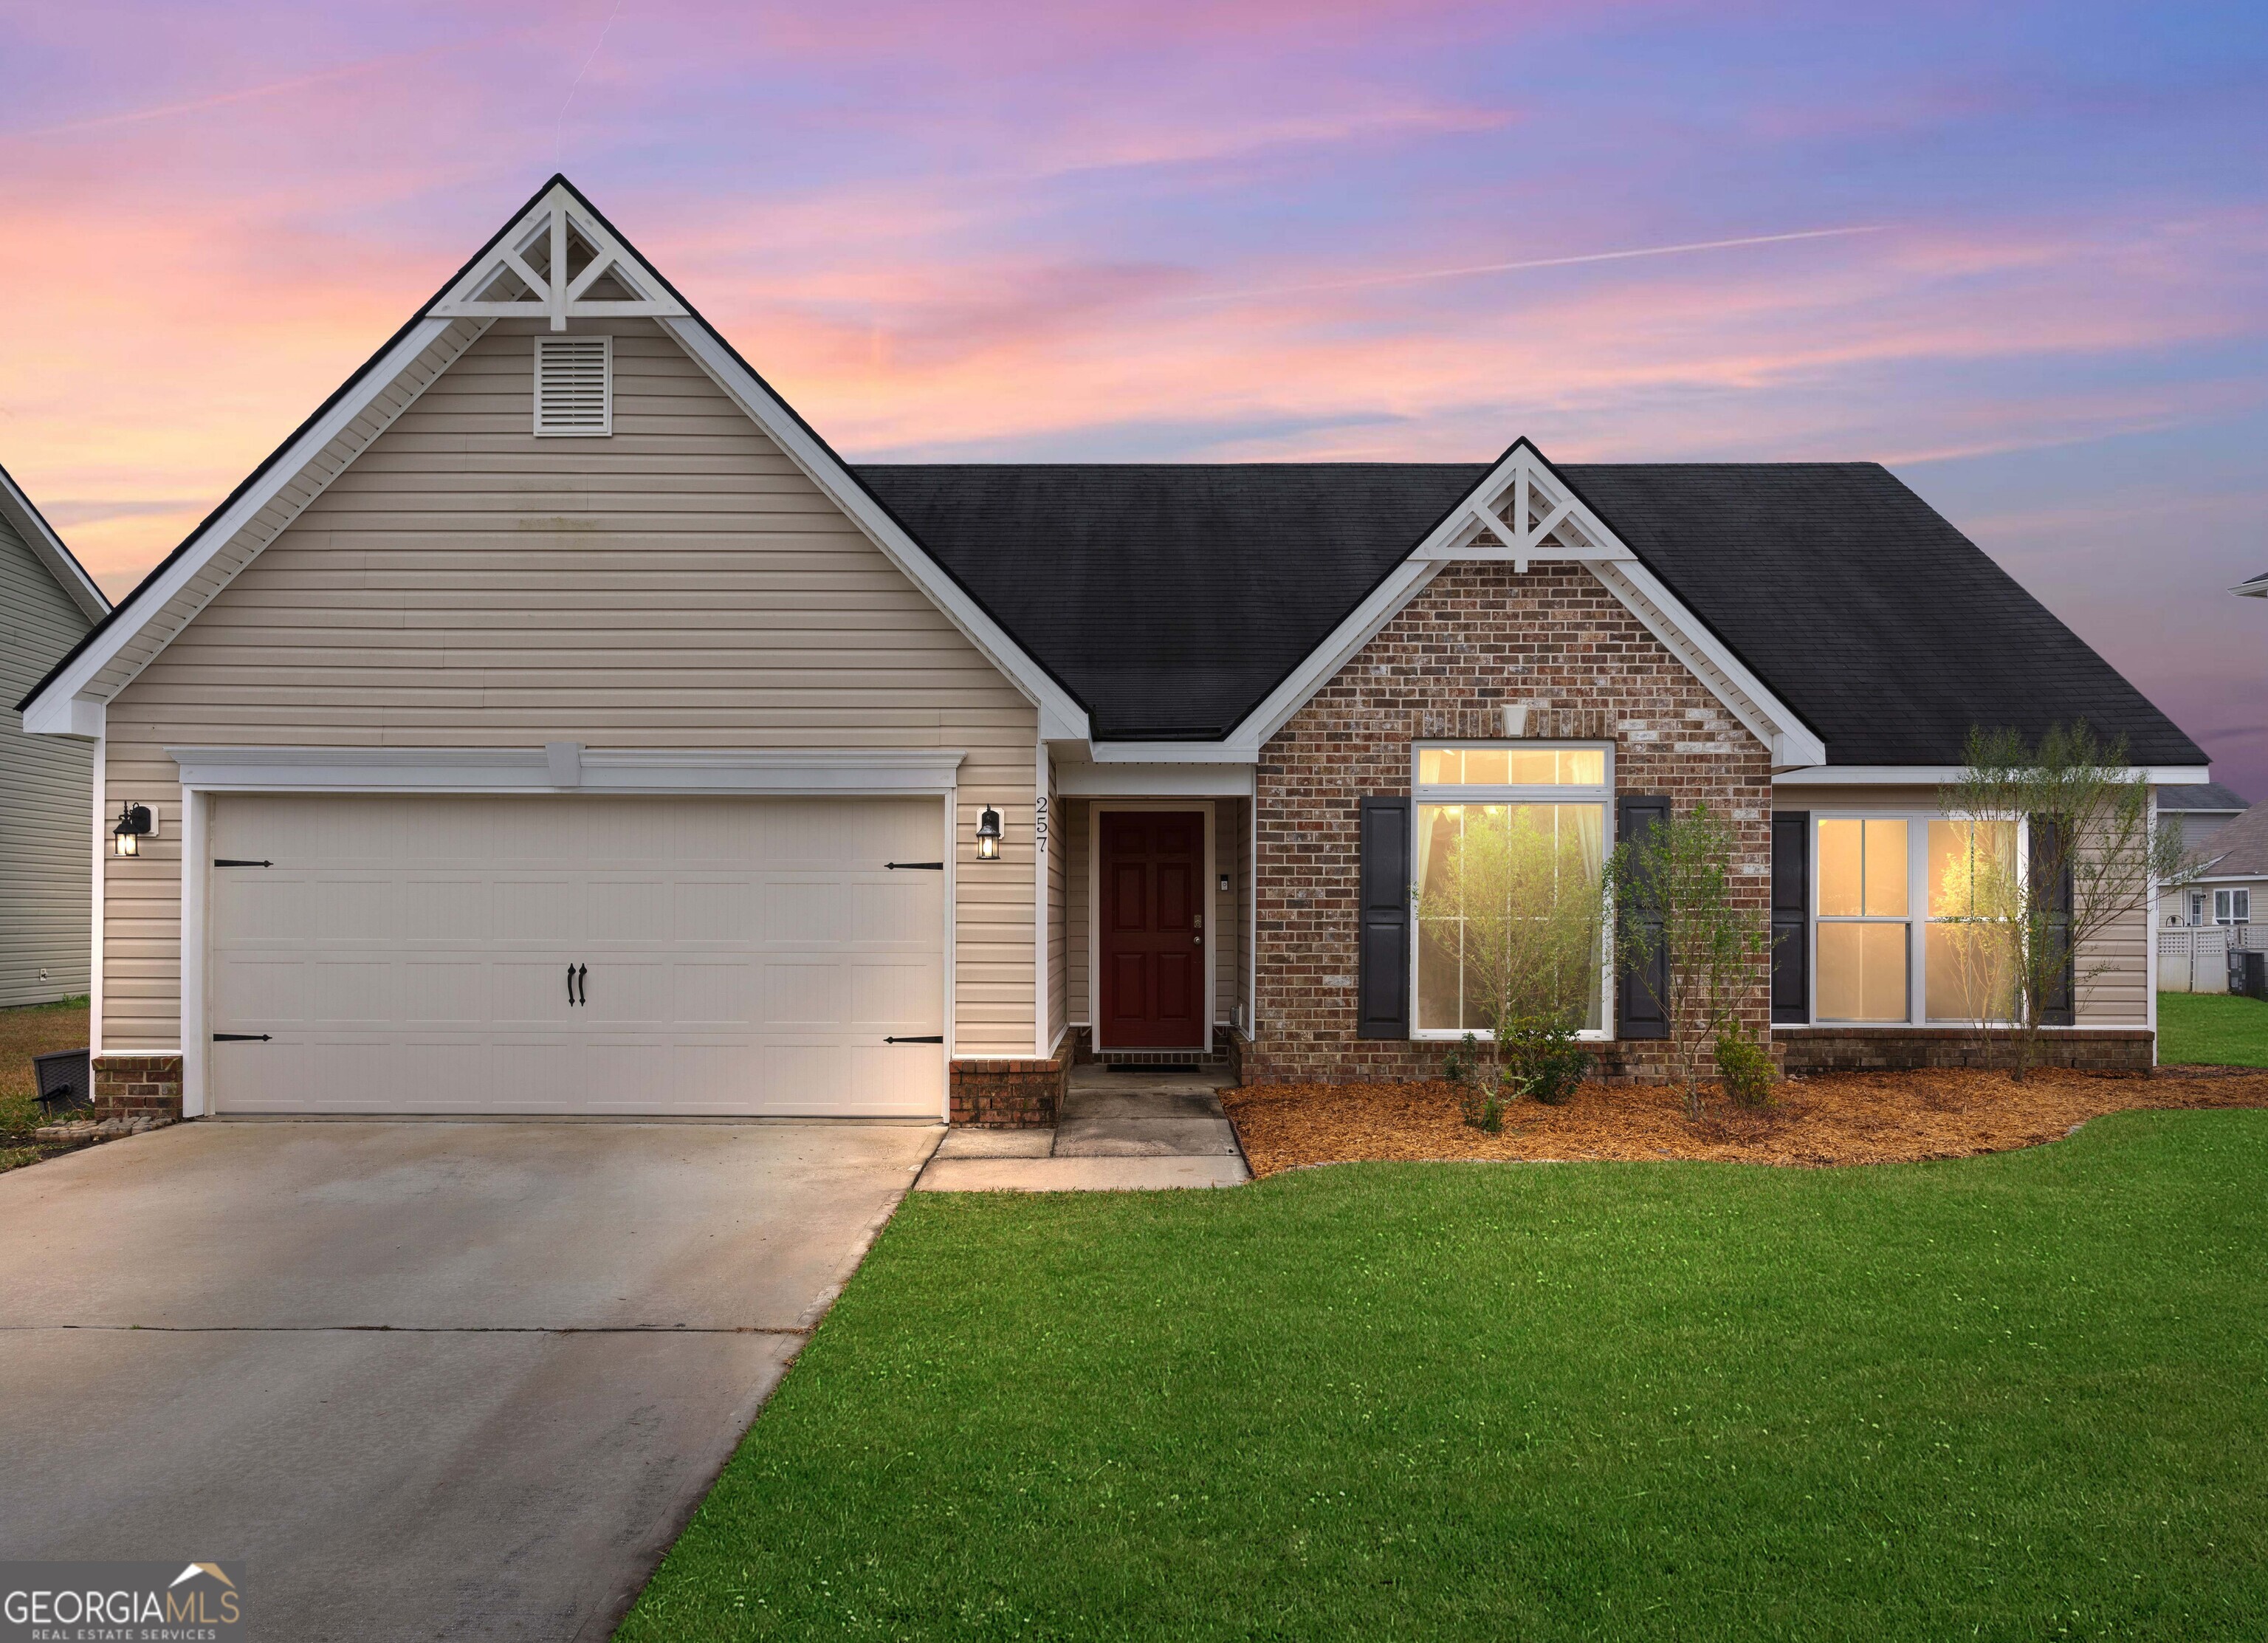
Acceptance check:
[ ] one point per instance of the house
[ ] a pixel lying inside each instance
(2253, 587)
(2201, 812)
(46, 604)
(556, 723)
(2234, 881)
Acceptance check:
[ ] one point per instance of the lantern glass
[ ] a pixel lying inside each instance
(129, 843)
(988, 835)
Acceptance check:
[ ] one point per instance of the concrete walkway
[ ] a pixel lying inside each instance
(1120, 1131)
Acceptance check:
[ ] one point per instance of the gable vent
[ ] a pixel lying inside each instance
(574, 385)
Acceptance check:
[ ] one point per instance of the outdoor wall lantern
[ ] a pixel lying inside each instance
(988, 835)
(134, 825)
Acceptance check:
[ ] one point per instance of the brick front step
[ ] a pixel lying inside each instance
(1009, 1094)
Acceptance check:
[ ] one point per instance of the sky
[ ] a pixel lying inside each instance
(2018, 253)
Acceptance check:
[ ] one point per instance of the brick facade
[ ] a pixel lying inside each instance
(1871, 1049)
(1480, 636)
(1010, 1095)
(125, 1085)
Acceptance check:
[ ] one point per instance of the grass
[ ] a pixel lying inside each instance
(25, 1031)
(2212, 1029)
(2015, 1397)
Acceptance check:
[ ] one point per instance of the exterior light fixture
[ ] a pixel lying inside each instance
(134, 825)
(988, 835)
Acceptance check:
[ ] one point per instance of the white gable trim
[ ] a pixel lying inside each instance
(1473, 531)
(192, 579)
(60, 708)
(1061, 717)
(49, 550)
(535, 251)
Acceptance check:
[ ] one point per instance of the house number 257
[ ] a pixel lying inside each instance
(1040, 825)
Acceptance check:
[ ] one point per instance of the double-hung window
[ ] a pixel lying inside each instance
(2232, 907)
(1971, 952)
(1877, 877)
(1865, 925)
(1511, 841)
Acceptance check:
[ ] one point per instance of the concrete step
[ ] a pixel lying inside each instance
(1079, 1175)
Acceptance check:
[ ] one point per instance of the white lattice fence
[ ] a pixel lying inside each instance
(2196, 958)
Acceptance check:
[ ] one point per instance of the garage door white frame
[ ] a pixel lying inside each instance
(554, 768)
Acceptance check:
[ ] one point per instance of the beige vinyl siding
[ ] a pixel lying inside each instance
(679, 584)
(1058, 915)
(2116, 995)
(1228, 851)
(47, 796)
(1077, 836)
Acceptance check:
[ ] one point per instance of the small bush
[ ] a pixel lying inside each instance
(1545, 1060)
(1745, 1067)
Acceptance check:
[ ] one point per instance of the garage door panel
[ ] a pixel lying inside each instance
(743, 957)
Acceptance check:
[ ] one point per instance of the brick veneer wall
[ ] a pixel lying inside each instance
(132, 1084)
(1869, 1049)
(1012, 1095)
(1479, 636)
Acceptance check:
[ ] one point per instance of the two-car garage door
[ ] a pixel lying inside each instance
(573, 955)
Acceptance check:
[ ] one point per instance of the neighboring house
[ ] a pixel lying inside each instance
(556, 723)
(2201, 813)
(2256, 588)
(2235, 883)
(47, 801)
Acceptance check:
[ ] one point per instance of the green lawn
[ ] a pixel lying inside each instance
(2019, 1396)
(2211, 1028)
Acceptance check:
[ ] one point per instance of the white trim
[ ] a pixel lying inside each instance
(785, 772)
(53, 711)
(1061, 718)
(556, 297)
(1645, 596)
(99, 784)
(196, 987)
(1945, 775)
(2149, 945)
(1043, 840)
(1206, 902)
(1252, 922)
(48, 547)
(1154, 781)
(1474, 529)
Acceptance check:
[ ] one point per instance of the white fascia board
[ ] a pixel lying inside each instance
(1662, 614)
(1471, 530)
(1243, 744)
(1061, 718)
(48, 548)
(1202, 753)
(1155, 781)
(785, 772)
(1945, 775)
(50, 712)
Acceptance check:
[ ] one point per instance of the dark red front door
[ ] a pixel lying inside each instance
(1151, 873)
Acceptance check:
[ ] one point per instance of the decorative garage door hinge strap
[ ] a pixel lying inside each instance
(231, 861)
(239, 1038)
(926, 867)
(918, 1038)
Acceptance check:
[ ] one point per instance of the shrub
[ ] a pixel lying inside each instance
(1545, 1061)
(1745, 1067)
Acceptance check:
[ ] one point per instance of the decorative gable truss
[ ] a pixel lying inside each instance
(584, 272)
(1522, 511)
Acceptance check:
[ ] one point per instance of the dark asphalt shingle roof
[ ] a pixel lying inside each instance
(1173, 598)
(2203, 796)
(2240, 847)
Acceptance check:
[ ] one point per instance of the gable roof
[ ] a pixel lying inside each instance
(1173, 597)
(260, 508)
(48, 547)
(2202, 796)
(2253, 587)
(2240, 850)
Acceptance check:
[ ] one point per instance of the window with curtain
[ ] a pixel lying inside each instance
(1970, 953)
(1864, 923)
(1522, 828)
(2232, 907)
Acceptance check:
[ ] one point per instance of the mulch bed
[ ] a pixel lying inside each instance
(1826, 1119)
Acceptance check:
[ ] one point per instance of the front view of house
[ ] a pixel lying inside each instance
(555, 724)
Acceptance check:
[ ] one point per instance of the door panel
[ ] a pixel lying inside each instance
(1151, 947)
(410, 955)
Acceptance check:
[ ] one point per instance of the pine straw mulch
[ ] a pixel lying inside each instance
(1825, 1119)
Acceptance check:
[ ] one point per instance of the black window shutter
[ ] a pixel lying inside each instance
(2059, 1007)
(1791, 915)
(1641, 999)
(1382, 941)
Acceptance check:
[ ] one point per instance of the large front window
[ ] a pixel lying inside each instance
(1511, 848)
(1971, 954)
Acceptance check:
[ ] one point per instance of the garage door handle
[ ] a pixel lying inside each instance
(583, 983)
(239, 1038)
(922, 866)
(231, 861)
(918, 1038)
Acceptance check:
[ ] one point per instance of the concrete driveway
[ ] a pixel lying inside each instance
(428, 1379)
